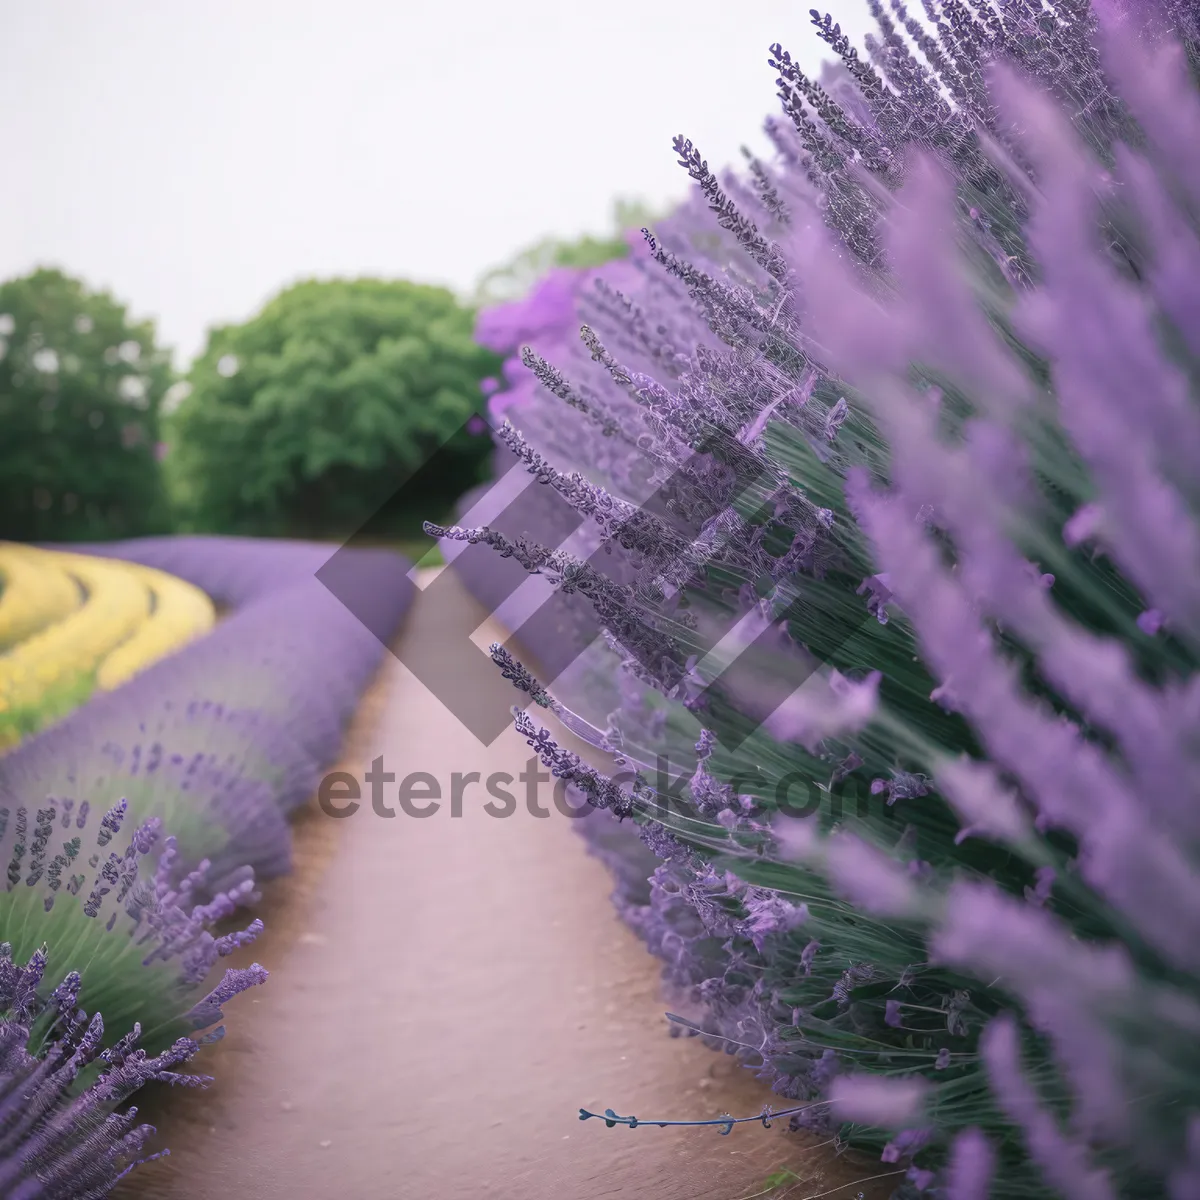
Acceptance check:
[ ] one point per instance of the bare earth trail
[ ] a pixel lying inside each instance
(445, 994)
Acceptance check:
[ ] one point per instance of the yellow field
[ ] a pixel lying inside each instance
(181, 612)
(70, 623)
(37, 592)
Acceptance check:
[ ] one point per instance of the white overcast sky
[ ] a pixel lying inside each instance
(195, 156)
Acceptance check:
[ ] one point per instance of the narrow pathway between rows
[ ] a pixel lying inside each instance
(444, 996)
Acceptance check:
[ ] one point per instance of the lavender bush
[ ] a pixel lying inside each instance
(922, 409)
(143, 953)
(227, 737)
(140, 940)
(55, 1145)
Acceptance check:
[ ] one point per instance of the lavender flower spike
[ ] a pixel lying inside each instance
(56, 1142)
(144, 943)
(915, 409)
(972, 1162)
(890, 1103)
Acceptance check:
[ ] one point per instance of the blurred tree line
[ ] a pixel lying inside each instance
(301, 421)
(80, 392)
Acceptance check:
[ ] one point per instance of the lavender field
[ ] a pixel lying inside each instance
(788, 733)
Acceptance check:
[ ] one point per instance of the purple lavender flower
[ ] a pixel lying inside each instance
(129, 909)
(58, 1140)
(906, 1143)
(770, 913)
(144, 952)
(1065, 1162)
(872, 1100)
(972, 1161)
(936, 363)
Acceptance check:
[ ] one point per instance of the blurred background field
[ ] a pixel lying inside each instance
(70, 623)
(245, 258)
(302, 422)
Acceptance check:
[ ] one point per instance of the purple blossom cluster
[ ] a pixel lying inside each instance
(145, 938)
(889, 449)
(227, 737)
(55, 1145)
(143, 950)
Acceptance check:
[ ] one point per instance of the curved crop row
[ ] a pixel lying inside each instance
(35, 591)
(226, 737)
(55, 668)
(124, 618)
(232, 570)
(179, 612)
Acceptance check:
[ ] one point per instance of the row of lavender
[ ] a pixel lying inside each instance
(919, 406)
(200, 760)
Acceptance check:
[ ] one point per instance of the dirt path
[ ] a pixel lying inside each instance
(445, 994)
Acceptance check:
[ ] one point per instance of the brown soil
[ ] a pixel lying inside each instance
(445, 994)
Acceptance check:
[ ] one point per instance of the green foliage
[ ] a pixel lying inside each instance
(307, 417)
(80, 386)
(514, 278)
(23, 721)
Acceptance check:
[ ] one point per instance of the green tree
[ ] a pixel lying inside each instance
(307, 417)
(80, 386)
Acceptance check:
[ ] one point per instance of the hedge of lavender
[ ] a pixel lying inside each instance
(224, 739)
(217, 744)
(233, 570)
(549, 316)
(923, 395)
(132, 946)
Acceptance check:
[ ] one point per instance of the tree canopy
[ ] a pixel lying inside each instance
(307, 417)
(80, 386)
